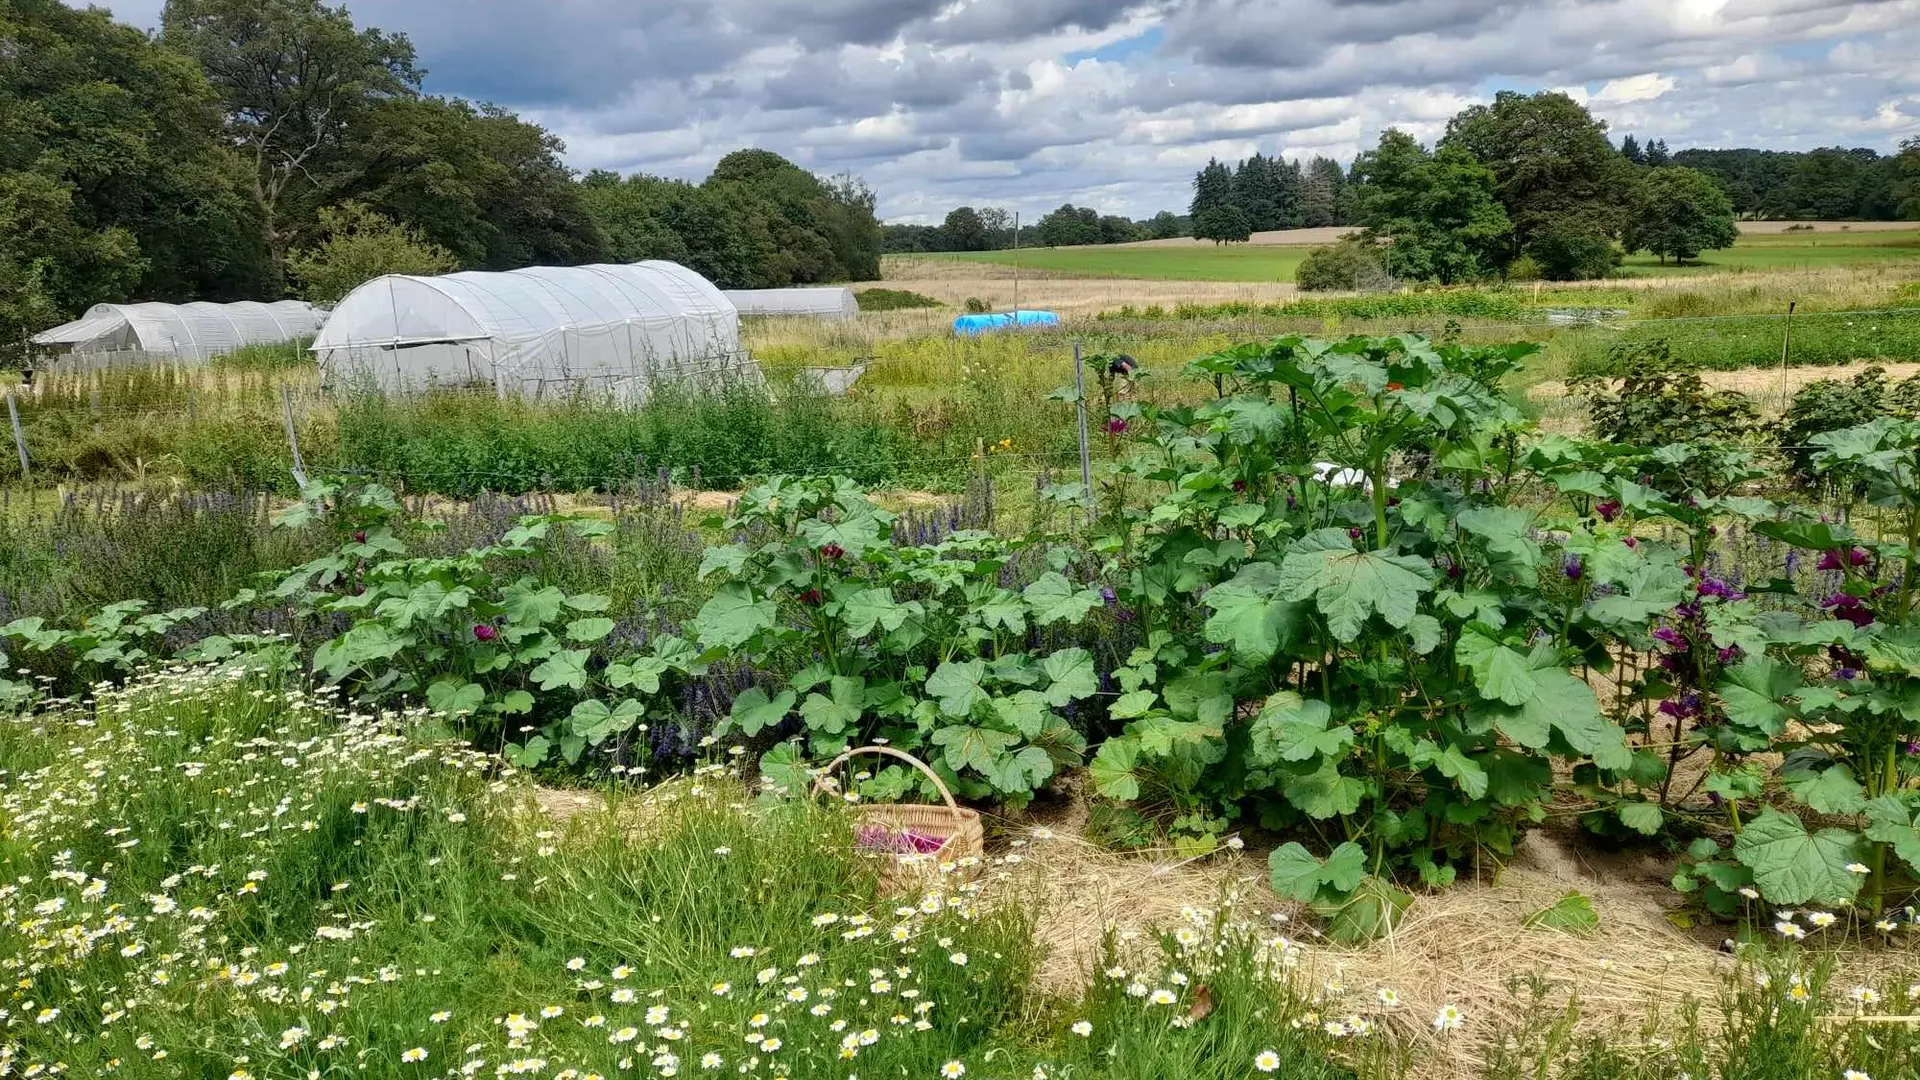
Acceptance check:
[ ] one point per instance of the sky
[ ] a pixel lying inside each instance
(1027, 104)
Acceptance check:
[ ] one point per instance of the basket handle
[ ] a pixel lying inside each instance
(889, 751)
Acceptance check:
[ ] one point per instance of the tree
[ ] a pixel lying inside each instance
(1680, 212)
(1352, 264)
(1068, 226)
(480, 182)
(799, 228)
(1656, 154)
(964, 231)
(1268, 190)
(1320, 193)
(112, 182)
(1826, 184)
(1555, 168)
(1437, 210)
(1222, 225)
(646, 217)
(293, 78)
(1907, 188)
(1166, 225)
(1115, 229)
(1630, 149)
(358, 245)
(1212, 188)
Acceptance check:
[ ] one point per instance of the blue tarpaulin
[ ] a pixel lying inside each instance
(1001, 320)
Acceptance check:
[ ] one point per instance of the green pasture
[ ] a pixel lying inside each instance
(1224, 262)
(1272, 262)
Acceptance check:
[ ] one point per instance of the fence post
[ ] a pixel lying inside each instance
(1786, 345)
(19, 439)
(1080, 407)
(293, 437)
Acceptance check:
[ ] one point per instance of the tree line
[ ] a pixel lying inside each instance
(257, 149)
(1532, 186)
(992, 228)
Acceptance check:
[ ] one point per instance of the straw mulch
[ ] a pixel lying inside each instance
(1467, 945)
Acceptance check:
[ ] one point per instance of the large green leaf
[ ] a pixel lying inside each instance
(1112, 770)
(1502, 672)
(1753, 691)
(733, 616)
(978, 748)
(1291, 728)
(1248, 614)
(1054, 599)
(1891, 821)
(1832, 790)
(1504, 530)
(838, 710)
(567, 668)
(1325, 793)
(1562, 703)
(957, 685)
(1027, 712)
(1022, 771)
(455, 698)
(1793, 866)
(594, 721)
(589, 630)
(1070, 676)
(869, 609)
(1347, 586)
(754, 712)
(529, 606)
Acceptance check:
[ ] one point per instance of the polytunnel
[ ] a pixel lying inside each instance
(532, 332)
(832, 304)
(193, 332)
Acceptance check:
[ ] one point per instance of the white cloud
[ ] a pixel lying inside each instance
(1114, 103)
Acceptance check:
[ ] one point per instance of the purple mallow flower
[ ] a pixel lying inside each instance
(1608, 510)
(1573, 568)
(1849, 608)
(483, 632)
(1830, 560)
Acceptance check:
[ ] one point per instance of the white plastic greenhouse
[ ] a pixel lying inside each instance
(532, 332)
(833, 304)
(188, 332)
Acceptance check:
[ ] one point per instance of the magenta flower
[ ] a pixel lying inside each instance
(484, 632)
(1117, 426)
(832, 551)
(1608, 510)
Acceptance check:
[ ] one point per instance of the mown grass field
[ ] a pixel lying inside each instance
(1227, 262)
(1276, 263)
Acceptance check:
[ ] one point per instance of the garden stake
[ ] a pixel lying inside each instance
(19, 438)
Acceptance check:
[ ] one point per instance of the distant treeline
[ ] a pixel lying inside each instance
(992, 229)
(255, 149)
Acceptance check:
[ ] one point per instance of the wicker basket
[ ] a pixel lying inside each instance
(956, 829)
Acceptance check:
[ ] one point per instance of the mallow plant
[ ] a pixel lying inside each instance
(1379, 655)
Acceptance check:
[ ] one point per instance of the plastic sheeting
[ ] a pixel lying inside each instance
(182, 331)
(971, 325)
(832, 304)
(533, 332)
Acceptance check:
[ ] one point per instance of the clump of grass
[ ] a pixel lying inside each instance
(893, 300)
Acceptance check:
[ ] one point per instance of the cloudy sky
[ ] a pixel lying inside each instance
(1030, 103)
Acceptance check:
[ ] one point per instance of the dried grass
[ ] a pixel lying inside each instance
(1468, 945)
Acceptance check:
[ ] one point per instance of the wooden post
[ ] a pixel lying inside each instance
(1080, 407)
(19, 439)
(1786, 346)
(293, 437)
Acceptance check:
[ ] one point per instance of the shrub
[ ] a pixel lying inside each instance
(977, 306)
(1574, 256)
(893, 300)
(1350, 265)
(1829, 405)
(1660, 402)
